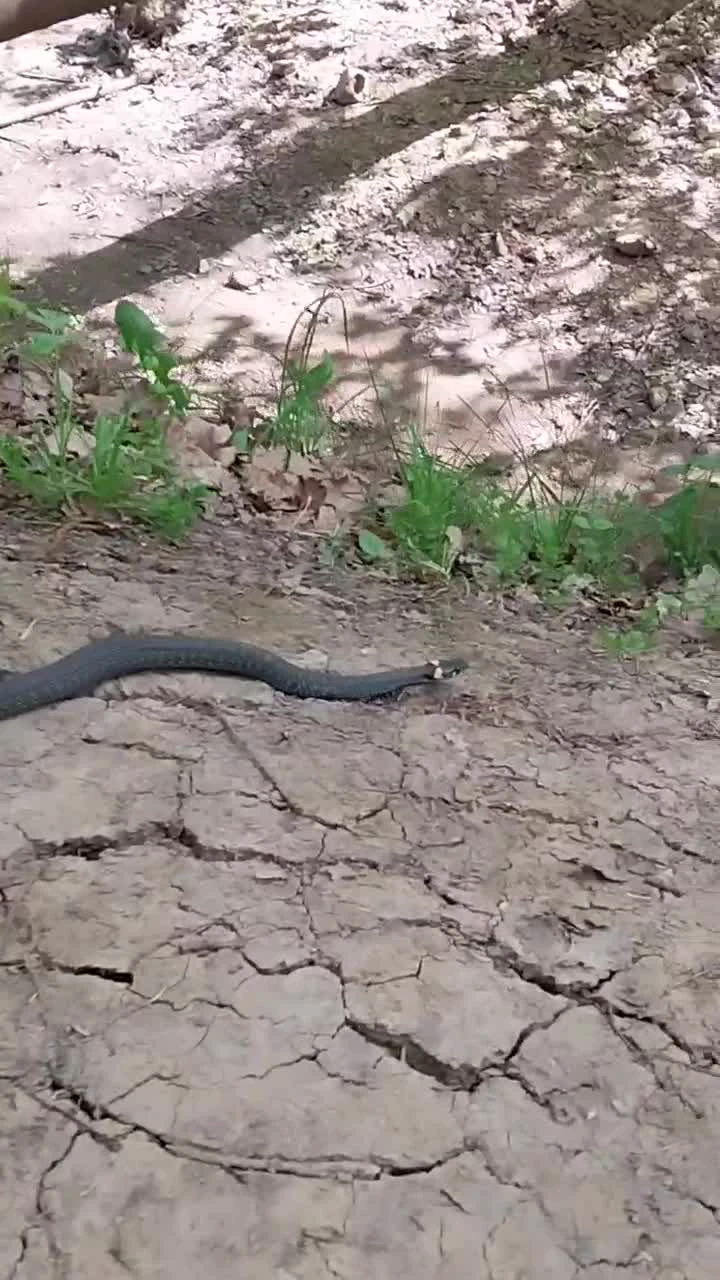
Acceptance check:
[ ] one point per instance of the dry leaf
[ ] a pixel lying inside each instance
(345, 496)
(324, 498)
(37, 383)
(12, 394)
(311, 494)
(201, 451)
(25, 397)
(77, 442)
(194, 464)
(108, 406)
(214, 438)
(137, 400)
(276, 480)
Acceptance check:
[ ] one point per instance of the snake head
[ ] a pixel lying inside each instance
(444, 669)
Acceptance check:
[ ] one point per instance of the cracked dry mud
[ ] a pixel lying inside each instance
(304, 990)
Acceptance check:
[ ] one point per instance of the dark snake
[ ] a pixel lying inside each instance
(80, 673)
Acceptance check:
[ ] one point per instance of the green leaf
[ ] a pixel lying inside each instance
(176, 393)
(54, 321)
(667, 606)
(240, 440)
(372, 547)
(12, 306)
(65, 385)
(703, 588)
(315, 380)
(703, 462)
(163, 363)
(137, 331)
(42, 345)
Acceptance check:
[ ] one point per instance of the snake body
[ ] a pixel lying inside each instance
(80, 673)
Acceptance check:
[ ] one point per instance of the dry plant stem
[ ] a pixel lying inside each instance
(89, 94)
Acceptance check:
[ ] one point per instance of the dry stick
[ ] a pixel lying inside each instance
(63, 100)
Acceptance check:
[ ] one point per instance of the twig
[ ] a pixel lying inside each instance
(36, 75)
(88, 94)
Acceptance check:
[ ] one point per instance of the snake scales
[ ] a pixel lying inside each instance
(80, 673)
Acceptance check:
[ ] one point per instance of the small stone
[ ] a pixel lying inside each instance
(501, 247)
(708, 127)
(680, 119)
(617, 88)
(633, 244)
(241, 280)
(657, 397)
(673, 84)
(350, 88)
(517, 111)
(691, 333)
(645, 135)
(282, 68)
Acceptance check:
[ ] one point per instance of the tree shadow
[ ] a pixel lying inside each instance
(321, 159)
(555, 177)
(580, 193)
(31, 91)
(86, 51)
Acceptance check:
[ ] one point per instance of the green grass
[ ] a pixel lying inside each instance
(300, 422)
(127, 470)
(457, 513)
(451, 517)
(455, 517)
(123, 466)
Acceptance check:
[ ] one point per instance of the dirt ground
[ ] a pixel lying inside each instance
(309, 990)
(520, 212)
(312, 990)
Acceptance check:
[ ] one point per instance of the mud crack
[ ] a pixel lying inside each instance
(462, 1077)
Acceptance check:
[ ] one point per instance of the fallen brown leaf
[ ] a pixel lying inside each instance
(275, 480)
(202, 452)
(77, 442)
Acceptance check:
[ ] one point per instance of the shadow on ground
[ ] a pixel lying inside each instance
(322, 159)
(564, 183)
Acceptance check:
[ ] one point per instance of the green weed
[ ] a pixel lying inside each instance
(630, 643)
(454, 515)
(641, 637)
(300, 421)
(697, 598)
(444, 507)
(455, 512)
(140, 338)
(125, 469)
(334, 549)
(690, 527)
(124, 465)
(38, 333)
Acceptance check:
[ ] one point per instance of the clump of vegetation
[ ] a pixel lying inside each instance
(124, 466)
(457, 516)
(300, 422)
(140, 338)
(451, 515)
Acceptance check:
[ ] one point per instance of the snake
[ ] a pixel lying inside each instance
(80, 673)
